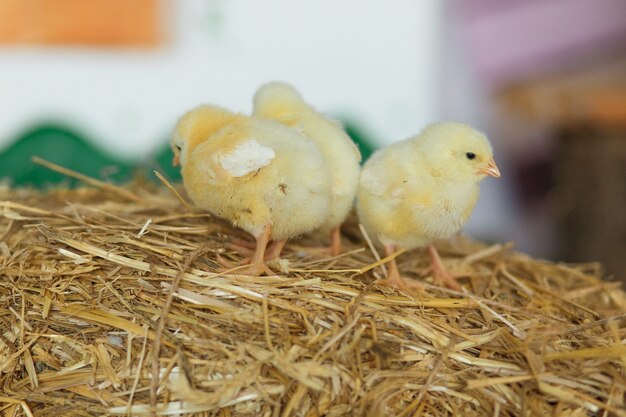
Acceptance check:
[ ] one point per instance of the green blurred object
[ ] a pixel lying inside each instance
(64, 147)
(162, 161)
(365, 144)
(68, 148)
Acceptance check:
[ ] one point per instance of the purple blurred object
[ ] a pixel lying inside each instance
(512, 40)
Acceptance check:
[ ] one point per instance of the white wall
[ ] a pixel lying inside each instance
(373, 61)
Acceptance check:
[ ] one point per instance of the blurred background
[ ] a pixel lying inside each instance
(97, 86)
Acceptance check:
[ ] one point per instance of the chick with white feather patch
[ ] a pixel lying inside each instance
(281, 102)
(423, 189)
(262, 176)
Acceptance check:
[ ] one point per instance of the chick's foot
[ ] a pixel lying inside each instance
(275, 249)
(255, 269)
(394, 279)
(441, 274)
(257, 265)
(244, 267)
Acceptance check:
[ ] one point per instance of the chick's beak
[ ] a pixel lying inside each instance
(491, 169)
(176, 160)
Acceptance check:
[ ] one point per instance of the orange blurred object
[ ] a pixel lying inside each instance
(80, 22)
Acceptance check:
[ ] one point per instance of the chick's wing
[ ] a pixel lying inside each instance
(224, 163)
(246, 157)
(397, 182)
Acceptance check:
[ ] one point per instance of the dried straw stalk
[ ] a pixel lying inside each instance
(115, 306)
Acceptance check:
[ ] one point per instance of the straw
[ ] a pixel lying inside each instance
(103, 312)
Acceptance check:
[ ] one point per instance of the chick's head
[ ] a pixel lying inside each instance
(277, 98)
(457, 151)
(195, 126)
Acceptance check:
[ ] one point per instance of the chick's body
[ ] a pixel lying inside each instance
(403, 201)
(290, 193)
(262, 176)
(281, 102)
(422, 189)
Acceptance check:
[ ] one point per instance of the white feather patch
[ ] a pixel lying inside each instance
(247, 157)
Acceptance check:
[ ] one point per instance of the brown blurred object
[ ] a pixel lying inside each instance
(80, 22)
(590, 195)
(595, 93)
(587, 110)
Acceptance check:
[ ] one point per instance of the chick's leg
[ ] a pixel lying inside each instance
(393, 278)
(335, 241)
(275, 249)
(334, 248)
(257, 264)
(246, 248)
(442, 275)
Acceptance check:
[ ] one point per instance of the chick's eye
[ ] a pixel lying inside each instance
(470, 155)
(179, 147)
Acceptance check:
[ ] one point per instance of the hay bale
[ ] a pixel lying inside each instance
(86, 277)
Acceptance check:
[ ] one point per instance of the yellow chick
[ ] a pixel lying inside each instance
(281, 102)
(264, 177)
(424, 188)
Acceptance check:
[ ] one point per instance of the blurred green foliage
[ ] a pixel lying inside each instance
(365, 143)
(64, 147)
(162, 161)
